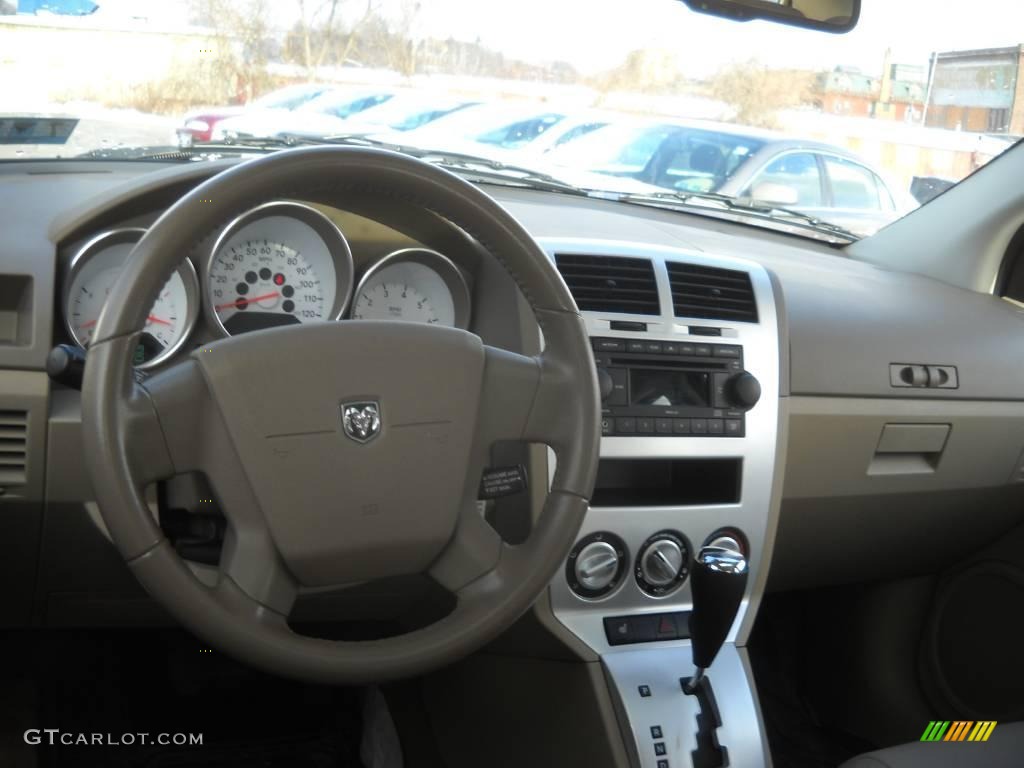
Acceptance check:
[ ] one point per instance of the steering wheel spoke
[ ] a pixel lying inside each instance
(252, 563)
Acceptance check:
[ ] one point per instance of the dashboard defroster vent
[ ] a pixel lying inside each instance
(13, 447)
(711, 293)
(610, 283)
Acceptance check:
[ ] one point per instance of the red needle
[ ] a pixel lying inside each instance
(87, 324)
(241, 302)
(158, 320)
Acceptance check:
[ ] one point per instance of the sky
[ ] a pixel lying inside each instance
(595, 35)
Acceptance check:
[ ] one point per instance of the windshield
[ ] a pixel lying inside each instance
(644, 98)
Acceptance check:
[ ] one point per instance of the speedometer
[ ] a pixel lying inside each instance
(279, 264)
(92, 275)
(413, 285)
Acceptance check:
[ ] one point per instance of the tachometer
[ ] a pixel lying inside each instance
(413, 285)
(93, 272)
(279, 264)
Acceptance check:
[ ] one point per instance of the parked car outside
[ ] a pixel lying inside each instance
(497, 129)
(406, 111)
(198, 125)
(334, 104)
(744, 163)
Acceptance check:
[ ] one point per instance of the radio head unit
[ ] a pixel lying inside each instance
(670, 389)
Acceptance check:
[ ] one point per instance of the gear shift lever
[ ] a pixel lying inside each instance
(717, 582)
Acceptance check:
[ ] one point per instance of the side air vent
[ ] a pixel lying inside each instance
(610, 283)
(13, 447)
(711, 293)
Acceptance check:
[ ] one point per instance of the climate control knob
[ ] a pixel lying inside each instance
(596, 565)
(663, 563)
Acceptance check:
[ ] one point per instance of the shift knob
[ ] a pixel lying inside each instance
(717, 583)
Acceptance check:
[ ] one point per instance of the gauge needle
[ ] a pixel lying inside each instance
(243, 302)
(87, 324)
(157, 320)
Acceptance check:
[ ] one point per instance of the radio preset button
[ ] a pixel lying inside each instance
(716, 427)
(609, 345)
(703, 350)
(663, 426)
(635, 346)
(653, 347)
(734, 427)
(625, 425)
(681, 426)
(699, 426)
(688, 350)
(645, 426)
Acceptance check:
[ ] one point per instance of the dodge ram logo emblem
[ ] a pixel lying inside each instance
(361, 421)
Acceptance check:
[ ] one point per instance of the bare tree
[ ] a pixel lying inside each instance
(757, 93)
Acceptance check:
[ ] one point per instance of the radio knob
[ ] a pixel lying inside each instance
(596, 566)
(605, 383)
(743, 390)
(661, 562)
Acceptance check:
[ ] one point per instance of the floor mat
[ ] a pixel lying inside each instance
(796, 736)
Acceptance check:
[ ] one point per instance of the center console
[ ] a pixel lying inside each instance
(687, 349)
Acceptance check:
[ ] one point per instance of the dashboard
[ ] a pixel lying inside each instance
(807, 474)
(281, 263)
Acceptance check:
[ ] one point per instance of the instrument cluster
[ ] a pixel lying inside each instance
(281, 263)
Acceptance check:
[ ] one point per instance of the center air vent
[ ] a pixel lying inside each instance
(13, 447)
(711, 293)
(610, 283)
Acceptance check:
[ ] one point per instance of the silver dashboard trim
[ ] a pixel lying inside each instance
(755, 514)
(761, 451)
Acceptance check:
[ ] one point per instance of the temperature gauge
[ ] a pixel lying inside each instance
(94, 271)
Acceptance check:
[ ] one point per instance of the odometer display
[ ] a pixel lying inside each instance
(280, 264)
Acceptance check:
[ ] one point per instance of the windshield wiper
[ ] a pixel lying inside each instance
(738, 205)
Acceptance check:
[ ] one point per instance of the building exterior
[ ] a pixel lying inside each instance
(980, 90)
(897, 95)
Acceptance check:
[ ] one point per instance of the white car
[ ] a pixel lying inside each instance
(510, 132)
(320, 115)
(199, 124)
(403, 112)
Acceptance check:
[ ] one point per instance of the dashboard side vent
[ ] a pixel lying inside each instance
(610, 283)
(711, 293)
(13, 447)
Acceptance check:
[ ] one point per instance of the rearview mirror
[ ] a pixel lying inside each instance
(825, 15)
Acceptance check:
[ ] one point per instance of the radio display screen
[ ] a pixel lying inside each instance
(665, 387)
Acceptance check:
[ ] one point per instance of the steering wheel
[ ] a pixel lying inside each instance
(261, 416)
